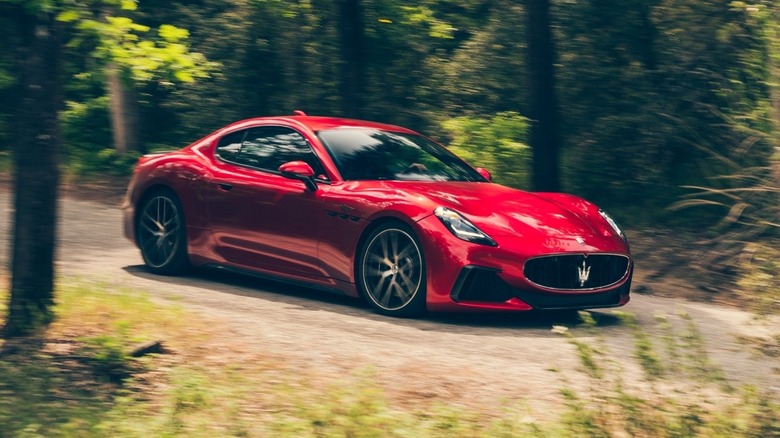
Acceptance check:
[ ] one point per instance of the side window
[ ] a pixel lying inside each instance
(229, 146)
(268, 147)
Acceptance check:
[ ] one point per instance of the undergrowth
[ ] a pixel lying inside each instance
(698, 409)
(745, 242)
(759, 283)
(57, 386)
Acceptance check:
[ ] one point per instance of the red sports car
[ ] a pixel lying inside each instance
(372, 210)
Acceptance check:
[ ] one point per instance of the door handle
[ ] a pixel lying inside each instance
(225, 186)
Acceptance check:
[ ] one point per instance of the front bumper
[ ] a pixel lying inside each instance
(463, 276)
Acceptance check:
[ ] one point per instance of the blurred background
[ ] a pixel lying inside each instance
(664, 112)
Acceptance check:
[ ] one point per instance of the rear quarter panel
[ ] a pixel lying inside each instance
(178, 172)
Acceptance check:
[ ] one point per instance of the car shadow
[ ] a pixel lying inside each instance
(476, 323)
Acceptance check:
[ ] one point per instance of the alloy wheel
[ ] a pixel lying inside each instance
(392, 269)
(159, 231)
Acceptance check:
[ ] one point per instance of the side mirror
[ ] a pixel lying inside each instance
(485, 174)
(301, 171)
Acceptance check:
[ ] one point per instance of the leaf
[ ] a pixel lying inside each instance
(140, 27)
(735, 212)
(129, 5)
(693, 203)
(183, 76)
(68, 16)
(173, 33)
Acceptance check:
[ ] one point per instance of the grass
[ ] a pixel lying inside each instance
(699, 363)
(650, 409)
(759, 282)
(80, 380)
(644, 350)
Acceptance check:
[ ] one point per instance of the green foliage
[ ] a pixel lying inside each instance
(109, 38)
(87, 140)
(6, 79)
(588, 358)
(55, 391)
(496, 143)
(486, 72)
(580, 420)
(753, 415)
(85, 125)
(166, 57)
(422, 14)
(358, 410)
(647, 87)
(644, 349)
(69, 388)
(759, 277)
(610, 408)
(644, 86)
(108, 356)
(104, 161)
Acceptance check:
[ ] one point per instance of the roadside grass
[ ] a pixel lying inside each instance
(663, 405)
(759, 282)
(81, 379)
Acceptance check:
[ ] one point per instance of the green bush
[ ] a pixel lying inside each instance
(495, 143)
(88, 142)
(103, 161)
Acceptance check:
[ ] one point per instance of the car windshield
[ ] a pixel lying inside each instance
(372, 154)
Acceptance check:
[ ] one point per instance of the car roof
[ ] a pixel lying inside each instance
(320, 123)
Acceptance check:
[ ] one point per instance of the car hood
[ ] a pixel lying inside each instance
(554, 219)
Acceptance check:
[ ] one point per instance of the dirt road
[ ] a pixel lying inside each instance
(474, 360)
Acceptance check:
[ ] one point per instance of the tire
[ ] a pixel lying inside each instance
(391, 271)
(161, 233)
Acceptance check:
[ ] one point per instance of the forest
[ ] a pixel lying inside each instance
(651, 96)
(665, 112)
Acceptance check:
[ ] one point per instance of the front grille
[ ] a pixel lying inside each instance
(576, 272)
(485, 285)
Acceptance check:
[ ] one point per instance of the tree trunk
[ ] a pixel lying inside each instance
(352, 57)
(124, 117)
(543, 106)
(36, 176)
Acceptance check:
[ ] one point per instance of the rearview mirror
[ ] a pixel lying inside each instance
(301, 171)
(484, 172)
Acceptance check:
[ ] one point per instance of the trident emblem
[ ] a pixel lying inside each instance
(583, 273)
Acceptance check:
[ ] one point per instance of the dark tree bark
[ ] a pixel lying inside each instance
(543, 106)
(36, 175)
(351, 34)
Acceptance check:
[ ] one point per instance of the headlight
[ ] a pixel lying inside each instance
(612, 224)
(461, 227)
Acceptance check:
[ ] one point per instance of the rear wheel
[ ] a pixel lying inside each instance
(391, 271)
(160, 232)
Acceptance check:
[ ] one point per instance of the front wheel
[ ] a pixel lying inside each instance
(391, 271)
(160, 232)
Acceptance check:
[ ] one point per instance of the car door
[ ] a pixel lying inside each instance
(259, 219)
